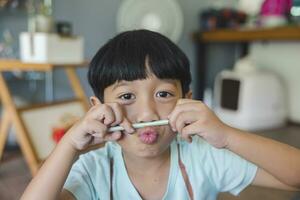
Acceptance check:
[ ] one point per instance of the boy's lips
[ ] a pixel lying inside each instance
(148, 135)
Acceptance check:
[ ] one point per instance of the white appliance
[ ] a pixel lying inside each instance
(250, 99)
(282, 58)
(51, 48)
(164, 17)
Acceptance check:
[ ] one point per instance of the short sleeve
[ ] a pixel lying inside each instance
(79, 182)
(226, 170)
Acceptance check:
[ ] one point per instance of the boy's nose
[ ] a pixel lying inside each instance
(147, 112)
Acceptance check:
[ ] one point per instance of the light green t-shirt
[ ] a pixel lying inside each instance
(210, 171)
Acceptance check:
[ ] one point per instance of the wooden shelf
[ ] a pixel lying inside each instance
(247, 35)
(11, 65)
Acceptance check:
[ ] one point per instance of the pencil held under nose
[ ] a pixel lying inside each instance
(140, 125)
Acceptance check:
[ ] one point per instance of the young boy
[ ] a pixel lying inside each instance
(141, 76)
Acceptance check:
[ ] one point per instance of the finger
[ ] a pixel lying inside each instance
(96, 140)
(109, 115)
(183, 101)
(96, 129)
(102, 113)
(185, 118)
(127, 126)
(186, 107)
(113, 136)
(93, 126)
(191, 129)
(173, 115)
(187, 138)
(118, 112)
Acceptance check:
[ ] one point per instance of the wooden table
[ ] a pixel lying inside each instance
(11, 116)
(241, 36)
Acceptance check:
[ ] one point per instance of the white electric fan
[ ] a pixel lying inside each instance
(163, 16)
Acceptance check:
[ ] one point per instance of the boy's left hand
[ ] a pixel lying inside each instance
(193, 117)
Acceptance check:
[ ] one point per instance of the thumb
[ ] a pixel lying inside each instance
(127, 126)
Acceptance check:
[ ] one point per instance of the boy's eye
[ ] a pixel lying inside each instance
(127, 96)
(164, 94)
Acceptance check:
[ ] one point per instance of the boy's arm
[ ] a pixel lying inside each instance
(82, 136)
(47, 184)
(265, 179)
(66, 195)
(279, 164)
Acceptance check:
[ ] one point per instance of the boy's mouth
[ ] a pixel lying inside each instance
(148, 135)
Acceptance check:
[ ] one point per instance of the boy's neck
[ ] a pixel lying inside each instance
(139, 164)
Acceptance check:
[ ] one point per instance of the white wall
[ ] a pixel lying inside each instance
(284, 59)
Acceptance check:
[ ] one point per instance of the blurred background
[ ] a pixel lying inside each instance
(244, 57)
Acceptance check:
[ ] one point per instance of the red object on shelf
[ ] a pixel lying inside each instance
(58, 133)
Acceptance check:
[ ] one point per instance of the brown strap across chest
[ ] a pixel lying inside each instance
(182, 169)
(185, 176)
(111, 177)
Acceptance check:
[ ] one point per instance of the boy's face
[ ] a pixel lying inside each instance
(144, 101)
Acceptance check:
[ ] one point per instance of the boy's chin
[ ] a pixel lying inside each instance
(150, 153)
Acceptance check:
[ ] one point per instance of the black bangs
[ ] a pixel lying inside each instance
(125, 56)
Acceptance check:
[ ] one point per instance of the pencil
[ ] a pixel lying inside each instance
(140, 125)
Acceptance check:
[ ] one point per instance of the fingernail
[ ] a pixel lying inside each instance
(131, 131)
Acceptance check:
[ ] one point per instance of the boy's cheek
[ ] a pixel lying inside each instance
(129, 112)
(165, 110)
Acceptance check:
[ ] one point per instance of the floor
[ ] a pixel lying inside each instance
(15, 175)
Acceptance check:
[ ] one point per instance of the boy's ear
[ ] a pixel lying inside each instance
(189, 94)
(94, 101)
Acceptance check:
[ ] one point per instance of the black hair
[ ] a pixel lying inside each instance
(124, 58)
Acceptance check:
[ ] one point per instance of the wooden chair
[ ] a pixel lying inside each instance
(11, 114)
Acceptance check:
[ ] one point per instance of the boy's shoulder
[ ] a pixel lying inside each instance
(200, 151)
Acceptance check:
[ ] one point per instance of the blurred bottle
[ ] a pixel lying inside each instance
(7, 49)
(295, 11)
(275, 12)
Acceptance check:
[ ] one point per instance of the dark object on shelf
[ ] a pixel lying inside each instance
(64, 28)
(223, 18)
(12, 4)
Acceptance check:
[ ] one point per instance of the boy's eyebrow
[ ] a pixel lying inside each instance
(121, 83)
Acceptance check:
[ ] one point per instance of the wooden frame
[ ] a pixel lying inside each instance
(47, 118)
(13, 116)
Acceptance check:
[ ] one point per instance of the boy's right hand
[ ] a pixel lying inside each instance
(92, 129)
